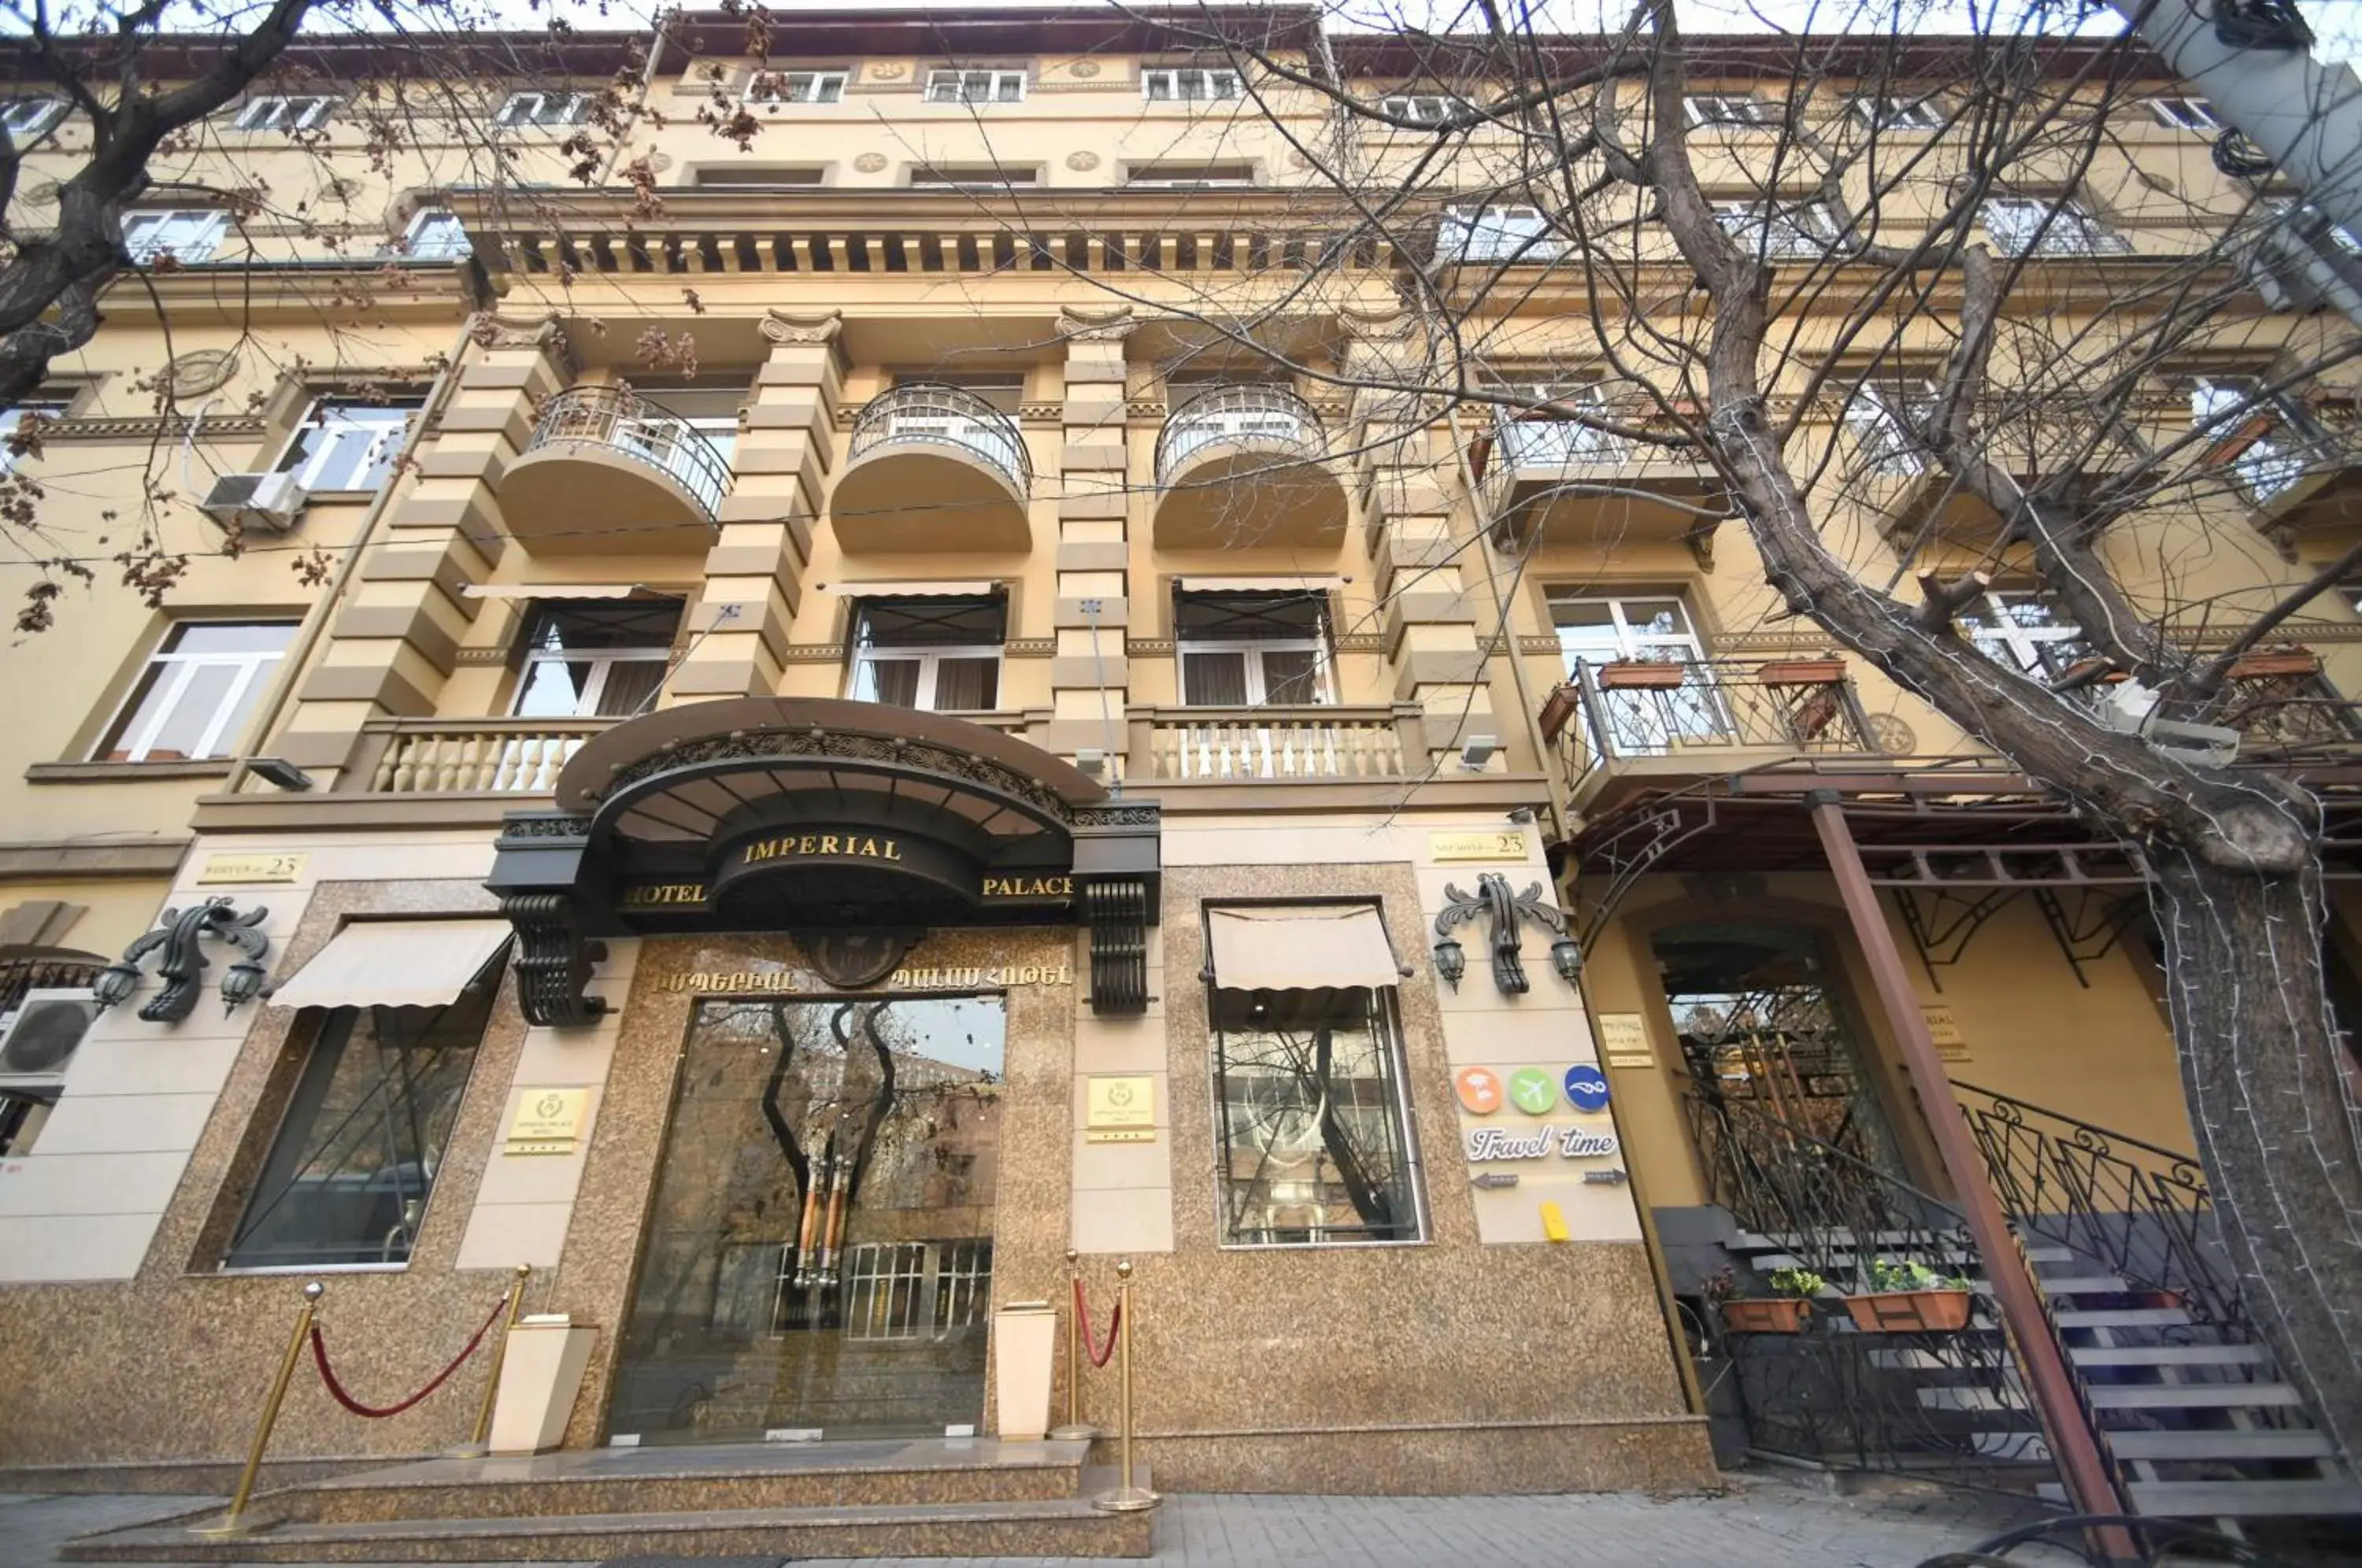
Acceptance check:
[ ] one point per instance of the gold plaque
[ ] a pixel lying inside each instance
(1944, 1028)
(1624, 1040)
(1485, 844)
(1119, 1111)
(548, 1121)
(250, 868)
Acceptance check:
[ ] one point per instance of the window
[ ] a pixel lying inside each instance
(2016, 224)
(2021, 628)
(1188, 176)
(187, 235)
(595, 658)
(1253, 650)
(26, 118)
(1900, 114)
(1315, 1144)
(758, 176)
(973, 177)
(976, 86)
(1188, 85)
(940, 654)
(2185, 114)
(1639, 720)
(437, 235)
(1881, 419)
(284, 114)
(364, 1135)
(797, 87)
(1789, 229)
(2262, 439)
(198, 692)
(544, 109)
(349, 445)
(1730, 109)
(1497, 234)
(13, 419)
(1423, 108)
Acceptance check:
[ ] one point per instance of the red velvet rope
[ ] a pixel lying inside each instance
(336, 1389)
(1098, 1352)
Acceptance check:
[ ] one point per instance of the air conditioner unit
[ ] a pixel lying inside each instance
(268, 503)
(42, 1037)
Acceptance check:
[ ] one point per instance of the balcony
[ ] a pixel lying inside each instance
(1313, 744)
(2297, 472)
(466, 756)
(2286, 709)
(609, 473)
(934, 468)
(1240, 467)
(1663, 723)
(1572, 483)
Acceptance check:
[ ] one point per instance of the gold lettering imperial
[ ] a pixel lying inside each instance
(855, 846)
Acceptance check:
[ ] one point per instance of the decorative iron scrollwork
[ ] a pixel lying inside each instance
(1492, 899)
(1117, 912)
(553, 962)
(183, 964)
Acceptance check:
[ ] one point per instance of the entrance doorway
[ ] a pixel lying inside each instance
(819, 1257)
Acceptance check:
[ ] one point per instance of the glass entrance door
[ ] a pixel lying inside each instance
(819, 1257)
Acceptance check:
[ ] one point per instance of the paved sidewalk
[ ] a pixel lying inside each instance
(1759, 1523)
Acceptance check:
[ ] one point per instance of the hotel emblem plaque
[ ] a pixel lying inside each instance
(857, 958)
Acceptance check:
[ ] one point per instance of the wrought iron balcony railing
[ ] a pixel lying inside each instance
(1317, 743)
(621, 422)
(1615, 712)
(1263, 415)
(455, 757)
(935, 414)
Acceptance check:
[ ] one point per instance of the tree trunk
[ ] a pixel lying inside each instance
(2262, 1069)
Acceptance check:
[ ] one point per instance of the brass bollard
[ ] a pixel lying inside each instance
(1127, 1497)
(1076, 1430)
(480, 1444)
(235, 1522)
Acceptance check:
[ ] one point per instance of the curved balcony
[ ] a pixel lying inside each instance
(933, 466)
(1240, 466)
(608, 472)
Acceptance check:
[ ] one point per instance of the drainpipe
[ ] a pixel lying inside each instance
(647, 85)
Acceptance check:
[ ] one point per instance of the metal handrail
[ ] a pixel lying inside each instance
(936, 413)
(620, 420)
(1718, 703)
(1249, 413)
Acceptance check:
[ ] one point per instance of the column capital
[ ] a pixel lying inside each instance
(1110, 325)
(545, 332)
(783, 326)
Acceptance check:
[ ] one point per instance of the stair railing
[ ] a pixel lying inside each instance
(2142, 1210)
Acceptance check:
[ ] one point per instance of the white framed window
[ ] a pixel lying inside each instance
(1189, 85)
(1188, 176)
(1597, 630)
(972, 177)
(26, 119)
(284, 114)
(1254, 649)
(1556, 437)
(797, 87)
(1881, 417)
(544, 108)
(346, 445)
(190, 235)
(2016, 224)
(1421, 108)
(595, 658)
(1900, 114)
(1499, 233)
(2022, 628)
(1730, 109)
(942, 654)
(436, 234)
(1787, 230)
(2185, 114)
(198, 693)
(976, 86)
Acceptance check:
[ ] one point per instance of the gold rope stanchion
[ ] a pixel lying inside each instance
(1127, 1497)
(1076, 1429)
(480, 1444)
(235, 1522)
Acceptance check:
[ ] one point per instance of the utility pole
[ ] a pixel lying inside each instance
(2252, 59)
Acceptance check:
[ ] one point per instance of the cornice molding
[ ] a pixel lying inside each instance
(165, 426)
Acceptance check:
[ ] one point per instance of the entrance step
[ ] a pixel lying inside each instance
(2235, 1499)
(2190, 1396)
(2169, 1355)
(2288, 1442)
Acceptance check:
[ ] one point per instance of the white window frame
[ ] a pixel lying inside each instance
(800, 88)
(284, 112)
(29, 119)
(1559, 443)
(2075, 231)
(1191, 83)
(1644, 723)
(419, 241)
(1881, 433)
(602, 661)
(1891, 114)
(2185, 114)
(948, 84)
(2014, 643)
(180, 669)
(1782, 230)
(1144, 177)
(1421, 108)
(1498, 231)
(206, 228)
(1726, 110)
(924, 177)
(388, 429)
(929, 657)
(1258, 679)
(530, 109)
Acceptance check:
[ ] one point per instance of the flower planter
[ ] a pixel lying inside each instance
(1558, 711)
(1766, 1315)
(1910, 1311)
(2279, 662)
(1801, 671)
(1642, 675)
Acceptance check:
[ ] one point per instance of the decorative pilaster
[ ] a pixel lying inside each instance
(1089, 677)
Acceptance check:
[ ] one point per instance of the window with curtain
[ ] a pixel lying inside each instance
(1253, 650)
(365, 1132)
(939, 654)
(595, 658)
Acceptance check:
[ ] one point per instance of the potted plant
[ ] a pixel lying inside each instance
(1909, 1298)
(1819, 671)
(1643, 675)
(1784, 1311)
(2288, 660)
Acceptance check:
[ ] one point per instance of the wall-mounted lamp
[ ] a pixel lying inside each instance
(279, 771)
(1566, 957)
(1478, 751)
(1450, 961)
(1503, 913)
(182, 965)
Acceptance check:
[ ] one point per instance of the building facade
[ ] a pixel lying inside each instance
(789, 837)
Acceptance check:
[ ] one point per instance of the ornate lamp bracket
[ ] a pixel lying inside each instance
(183, 965)
(1503, 911)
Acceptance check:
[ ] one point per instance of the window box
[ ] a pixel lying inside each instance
(1642, 675)
(1800, 671)
(1559, 710)
(1909, 1312)
(2275, 662)
(1766, 1315)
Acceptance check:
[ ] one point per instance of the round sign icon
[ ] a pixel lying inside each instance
(1480, 1091)
(1531, 1091)
(1586, 1087)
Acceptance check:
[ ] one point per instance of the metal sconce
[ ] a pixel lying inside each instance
(1504, 910)
(183, 965)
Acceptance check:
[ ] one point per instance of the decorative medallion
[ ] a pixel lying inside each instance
(202, 370)
(891, 70)
(1892, 735)
(659, 161)
(871, 163)
(857, 958)
(1086, 68)
(1082, 160)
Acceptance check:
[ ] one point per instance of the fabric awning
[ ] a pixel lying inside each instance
(1255, 584)
(550, 590)
(1300, 947)
(918, 589)
(395, 963)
